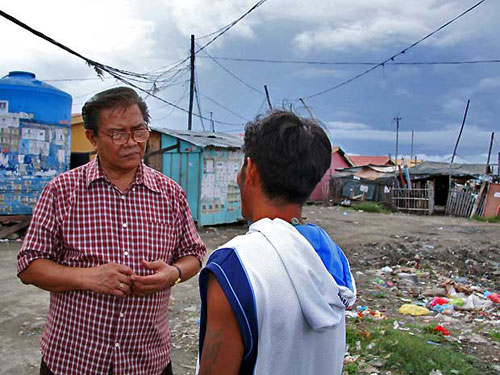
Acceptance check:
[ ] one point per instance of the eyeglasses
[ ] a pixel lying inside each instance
(120, 138)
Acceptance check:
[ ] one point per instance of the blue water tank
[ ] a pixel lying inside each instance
(26, 94)
(35, 139)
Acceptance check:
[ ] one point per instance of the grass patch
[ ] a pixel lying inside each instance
(487, 220)
(414, 355)
(370, 207)
(414, 352)
(495, 335)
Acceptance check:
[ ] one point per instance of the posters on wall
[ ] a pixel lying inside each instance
(4, 107)
(219, 190)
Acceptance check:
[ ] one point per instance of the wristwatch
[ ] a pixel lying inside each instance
(179, 279)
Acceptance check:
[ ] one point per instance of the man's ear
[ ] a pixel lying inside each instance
(91, 136)
(252, 174)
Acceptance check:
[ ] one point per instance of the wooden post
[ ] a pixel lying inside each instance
(489, 152)
(458, 139)
(267, 97)
(478, 199)
(306, 107)
(191, 87)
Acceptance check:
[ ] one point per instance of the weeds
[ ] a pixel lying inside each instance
(416, 350)
(488, 219)
(370, 207)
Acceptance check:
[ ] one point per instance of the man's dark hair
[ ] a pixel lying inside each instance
(112, 98)
(291, 154)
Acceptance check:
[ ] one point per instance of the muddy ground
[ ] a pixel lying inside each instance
(437, 248)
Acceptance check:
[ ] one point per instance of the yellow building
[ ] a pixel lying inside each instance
(82, 150)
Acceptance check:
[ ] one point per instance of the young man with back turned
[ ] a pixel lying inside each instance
(274, 300)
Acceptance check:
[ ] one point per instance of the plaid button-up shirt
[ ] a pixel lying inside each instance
(83, 220)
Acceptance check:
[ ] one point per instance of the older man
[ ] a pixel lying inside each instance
(109, 240)
(274, 300)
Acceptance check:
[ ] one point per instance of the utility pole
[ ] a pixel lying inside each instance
(489, 152)
(458, 139)
(212, 125)
(397, 118)
(412, 136)
(307, 108)
(267, 97)
(191, 86)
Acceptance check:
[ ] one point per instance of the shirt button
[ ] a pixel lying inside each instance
(123, 197)
(124, 225)
(121, 316)
(117, 345)
(125, 253)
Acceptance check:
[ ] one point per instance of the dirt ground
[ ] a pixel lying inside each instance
(436, 249)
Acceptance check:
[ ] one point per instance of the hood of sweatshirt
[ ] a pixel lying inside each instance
(317, 268)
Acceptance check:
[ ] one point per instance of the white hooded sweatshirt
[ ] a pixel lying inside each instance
(299, 306)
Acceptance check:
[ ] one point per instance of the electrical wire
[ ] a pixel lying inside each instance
(120, 74)
(232, 24)
(73, 79)
(181, 98)
(223, 107)
(234, 75)
(304, 62)
(261, 107)
(198, 100)
(395, 55)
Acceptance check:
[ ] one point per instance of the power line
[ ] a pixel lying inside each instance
(223, 107)
(304, 62)
(395, 55)
(73, 79)
(234, 75)
(261, 106)
(198, 100)
(219, 33)
(228, 27)
(100, 68)
(182, 97)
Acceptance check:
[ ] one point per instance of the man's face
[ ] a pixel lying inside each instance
(128, 156)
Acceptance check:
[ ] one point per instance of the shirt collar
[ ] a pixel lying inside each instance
(144, 176)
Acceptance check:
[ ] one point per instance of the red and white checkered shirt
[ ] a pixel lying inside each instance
(83, 220)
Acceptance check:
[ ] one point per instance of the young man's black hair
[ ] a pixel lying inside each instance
(291, 154)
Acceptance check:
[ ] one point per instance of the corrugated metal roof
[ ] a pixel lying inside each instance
(433, 168)
(368, 172)
(204, 139)
(360, 160)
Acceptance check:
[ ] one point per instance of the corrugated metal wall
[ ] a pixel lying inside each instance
(208, 176)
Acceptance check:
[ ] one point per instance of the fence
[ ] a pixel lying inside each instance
(415, 200)
(461, 203)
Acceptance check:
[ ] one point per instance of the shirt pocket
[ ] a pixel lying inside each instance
(156, 240)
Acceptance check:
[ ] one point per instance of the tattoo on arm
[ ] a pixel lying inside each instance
(211, 350)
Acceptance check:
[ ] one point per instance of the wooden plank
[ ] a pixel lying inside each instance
(7, 231)
(478, 199)
(14, 218)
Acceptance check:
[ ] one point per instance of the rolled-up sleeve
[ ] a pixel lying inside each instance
(190, 241)
(42, 240)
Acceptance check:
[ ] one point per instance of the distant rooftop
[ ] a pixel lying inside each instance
(204, 138)
(360, 160)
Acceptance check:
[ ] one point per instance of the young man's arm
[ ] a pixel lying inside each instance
(223, 346)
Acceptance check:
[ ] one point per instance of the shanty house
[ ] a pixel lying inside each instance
(205, 165)
(339, 160)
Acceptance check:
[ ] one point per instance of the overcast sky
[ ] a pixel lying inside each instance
(153, 35)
